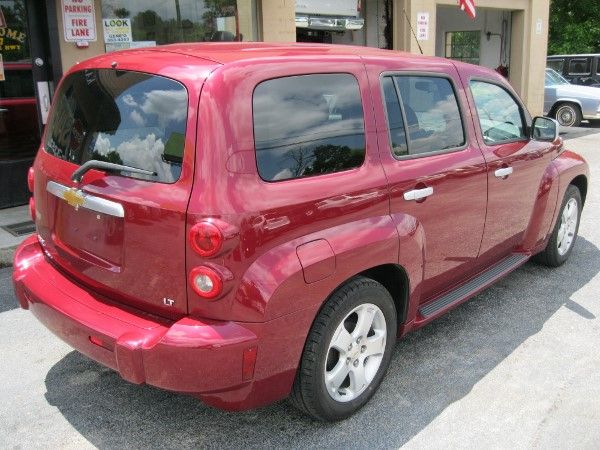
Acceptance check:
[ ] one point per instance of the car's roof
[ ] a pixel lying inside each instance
(226, 52)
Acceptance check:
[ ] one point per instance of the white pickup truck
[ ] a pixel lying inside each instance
(334, 15)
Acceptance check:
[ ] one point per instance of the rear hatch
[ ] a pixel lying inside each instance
(118, 232)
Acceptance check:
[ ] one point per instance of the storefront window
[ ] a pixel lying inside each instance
(13, 31)
(156, 22)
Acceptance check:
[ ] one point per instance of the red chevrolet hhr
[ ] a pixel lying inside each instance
(247, 222)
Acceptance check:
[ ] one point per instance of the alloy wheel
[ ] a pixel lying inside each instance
(355, 352)
(568, 226)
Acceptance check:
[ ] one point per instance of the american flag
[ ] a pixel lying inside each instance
(468, 6)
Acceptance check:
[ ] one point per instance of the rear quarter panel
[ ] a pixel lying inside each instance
(349, 210)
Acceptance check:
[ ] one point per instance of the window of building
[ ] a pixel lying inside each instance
(580, 66)
(308, 125)
(17, 83)
(156, 22)
(463, 46)
(500, 116)
(556, 64)
(429, 113)
(14, 42)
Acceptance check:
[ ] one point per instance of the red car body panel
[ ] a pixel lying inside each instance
(287, 245)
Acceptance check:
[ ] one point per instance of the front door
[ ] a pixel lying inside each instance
(515, 163)
(435, 170)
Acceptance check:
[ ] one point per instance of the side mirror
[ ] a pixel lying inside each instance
(544, 129)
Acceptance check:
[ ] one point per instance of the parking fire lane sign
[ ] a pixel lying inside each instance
(79, 20)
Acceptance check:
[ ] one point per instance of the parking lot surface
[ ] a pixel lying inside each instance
(518, 366)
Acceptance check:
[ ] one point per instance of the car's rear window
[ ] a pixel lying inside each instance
(124, 117)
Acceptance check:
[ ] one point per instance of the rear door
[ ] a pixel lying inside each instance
(123, 234)
(436, 173)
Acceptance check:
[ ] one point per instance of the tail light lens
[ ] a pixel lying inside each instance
(206, 282)
(206, 239)
(32, 208)
(30, 175)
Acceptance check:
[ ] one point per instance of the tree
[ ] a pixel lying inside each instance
(574, 27)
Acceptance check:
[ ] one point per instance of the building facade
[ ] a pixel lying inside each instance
(41, 39)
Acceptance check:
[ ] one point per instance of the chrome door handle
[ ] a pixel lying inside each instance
(418, 194)
(3, 110)
(504, 172)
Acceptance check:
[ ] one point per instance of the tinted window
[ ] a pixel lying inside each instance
(500, 116)
(394, 116)
(17, 84)
(122, 117)
(430, 111)
(556, 64)
(580, 66)
(308, 125)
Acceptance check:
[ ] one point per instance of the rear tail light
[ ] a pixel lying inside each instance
(206, 239)
(206, 282)
(30, 175)
(30, 180)
(32, 208)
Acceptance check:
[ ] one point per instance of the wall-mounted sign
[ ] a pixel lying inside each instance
(422, 26)
(79, 20)
(2, 78)
(116, 31)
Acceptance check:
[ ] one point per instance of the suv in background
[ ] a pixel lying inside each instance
(245, 222)
(578, 69)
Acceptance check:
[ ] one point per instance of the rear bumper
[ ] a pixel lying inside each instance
(186, 356)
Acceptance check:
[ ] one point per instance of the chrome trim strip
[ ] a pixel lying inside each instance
(90, 202)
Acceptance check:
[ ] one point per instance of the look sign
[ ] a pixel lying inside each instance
(79, 20)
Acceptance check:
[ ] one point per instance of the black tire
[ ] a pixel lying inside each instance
(568, 114)
(551, 256)
(310, 393)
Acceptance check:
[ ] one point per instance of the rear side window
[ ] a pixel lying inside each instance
(423, 115)
(556, 64)
(308, 125)
(500, 116)
(580, 66)
(123, 117)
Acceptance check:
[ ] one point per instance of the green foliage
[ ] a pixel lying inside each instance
(574, 27)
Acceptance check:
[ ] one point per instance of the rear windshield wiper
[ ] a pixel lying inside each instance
(107, 166)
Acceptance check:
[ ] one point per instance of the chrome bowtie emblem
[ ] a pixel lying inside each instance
(74, 198)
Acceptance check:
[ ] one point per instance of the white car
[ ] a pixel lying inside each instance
(569, 103)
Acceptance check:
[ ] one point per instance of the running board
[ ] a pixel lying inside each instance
(473, 286)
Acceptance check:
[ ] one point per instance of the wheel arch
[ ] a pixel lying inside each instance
(563, 101)
(581, 183)
(395, 280)
(392, 277)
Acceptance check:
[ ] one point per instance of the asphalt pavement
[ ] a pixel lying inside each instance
(518, 366)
